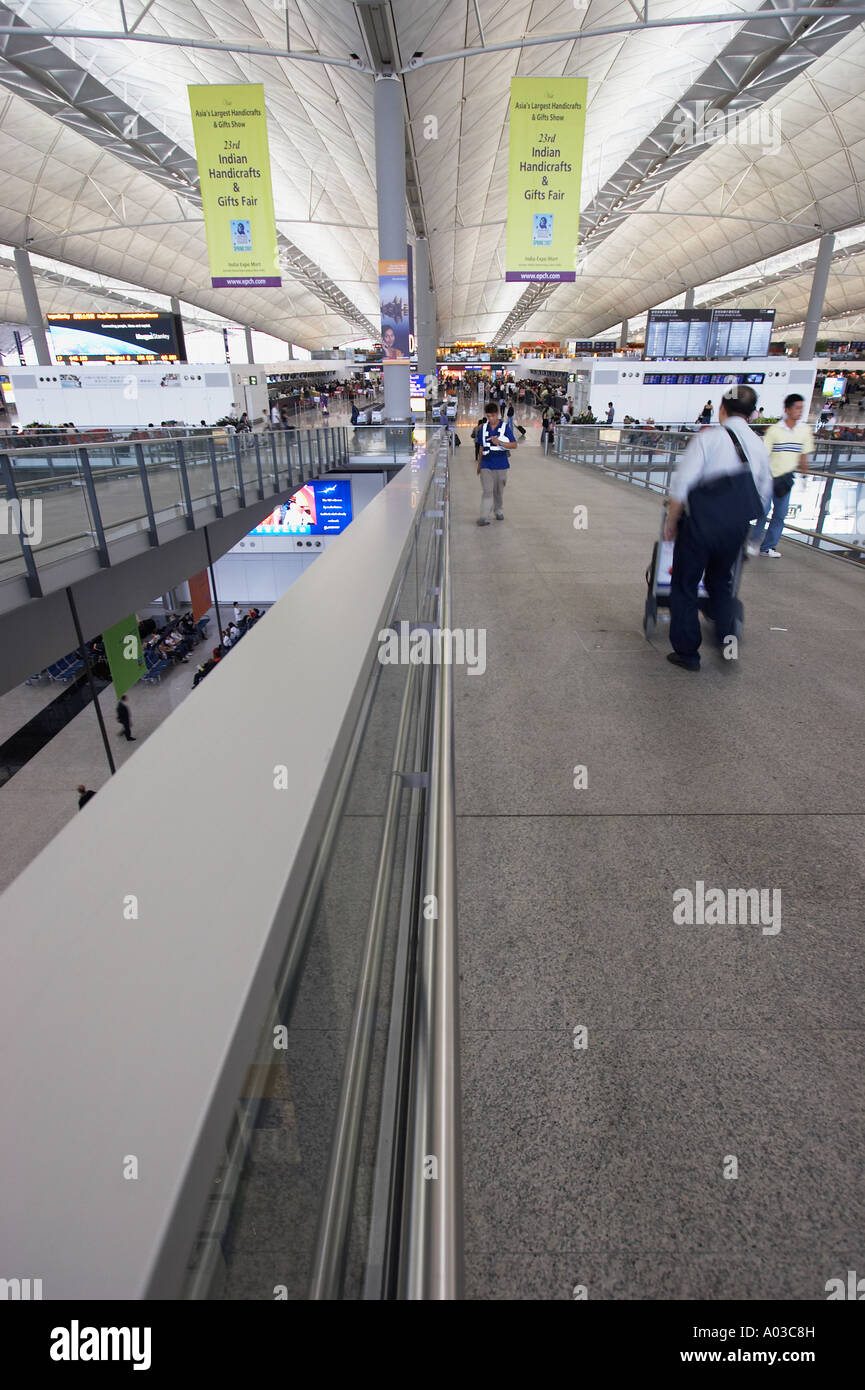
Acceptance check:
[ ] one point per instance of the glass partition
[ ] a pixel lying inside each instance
(827, 506)
(74, 507)
(274, 1190)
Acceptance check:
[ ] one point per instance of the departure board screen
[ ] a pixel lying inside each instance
(677, 333)
(707, 334)
(741, 333)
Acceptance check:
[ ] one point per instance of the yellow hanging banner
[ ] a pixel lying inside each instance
(547, 128)
(230, 127)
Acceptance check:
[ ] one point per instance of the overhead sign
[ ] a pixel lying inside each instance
(547, 126)
(703, 334)
(230, 127)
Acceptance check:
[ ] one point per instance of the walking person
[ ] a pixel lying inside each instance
(705, 415)
(721, 483)
(497, 439)
(124, 718)
(476, 436)
(790, 444)
(512, 422)
(611, 413)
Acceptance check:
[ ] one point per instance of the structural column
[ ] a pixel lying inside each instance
(808, 346)
(32, 308)
(426, 347)
(392, 243)
(175, 309)
(623, 336)
(689, 298)
(247, 333)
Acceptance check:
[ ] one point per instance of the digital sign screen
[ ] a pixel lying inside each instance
(122, 337)
(715, 379)
(417, 391)
(317, 509)
(704, 334)
(741, 332)
(677, 333)
(834, 387)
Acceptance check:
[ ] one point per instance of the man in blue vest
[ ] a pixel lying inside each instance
(496, 438)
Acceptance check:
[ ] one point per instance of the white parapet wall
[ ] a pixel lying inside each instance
(674, 392)
(131, 396)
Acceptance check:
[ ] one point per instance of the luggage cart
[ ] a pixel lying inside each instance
(658, 577)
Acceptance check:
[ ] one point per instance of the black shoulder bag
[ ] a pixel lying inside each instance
(729, 503)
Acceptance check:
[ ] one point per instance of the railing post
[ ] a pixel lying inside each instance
(256, 445)
(34, 584)
(145, 488)
(215, 469)
(184, 482)
(241, 490)
(824, 506)
(275, 462)
(90, 486)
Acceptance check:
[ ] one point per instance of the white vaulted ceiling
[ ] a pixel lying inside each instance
(79, 192)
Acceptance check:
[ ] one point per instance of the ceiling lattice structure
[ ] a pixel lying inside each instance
(96, 152)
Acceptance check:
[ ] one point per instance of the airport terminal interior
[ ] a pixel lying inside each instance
(433, 432)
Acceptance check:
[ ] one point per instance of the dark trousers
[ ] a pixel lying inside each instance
(696, 553)
(125, 724)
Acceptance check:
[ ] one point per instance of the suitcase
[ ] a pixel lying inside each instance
(658, 577)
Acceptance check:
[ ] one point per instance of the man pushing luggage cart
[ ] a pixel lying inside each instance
(721, 483)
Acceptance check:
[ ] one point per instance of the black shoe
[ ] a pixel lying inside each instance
(688, 663)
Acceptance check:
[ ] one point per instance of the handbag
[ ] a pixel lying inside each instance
(729, 503)
(782, 486)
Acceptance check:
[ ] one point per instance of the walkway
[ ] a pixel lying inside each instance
(604, 1166)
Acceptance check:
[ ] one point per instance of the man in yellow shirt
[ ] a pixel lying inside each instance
(789, 445)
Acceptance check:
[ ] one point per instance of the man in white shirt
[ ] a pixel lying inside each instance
(722, 496)
(790, 444)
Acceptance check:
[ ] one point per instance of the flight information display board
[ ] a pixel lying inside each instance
(675, 333)
(706, 379)
(135, 336)
(706, 334)
(741, 333)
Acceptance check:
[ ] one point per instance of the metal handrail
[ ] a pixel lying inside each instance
(626, 467)
(824, 536)
(433, 1267)
(332, 1240)
(444, 1227)
(76, 457)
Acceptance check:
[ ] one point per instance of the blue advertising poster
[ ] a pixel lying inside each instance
(394, 297)
(318, 509)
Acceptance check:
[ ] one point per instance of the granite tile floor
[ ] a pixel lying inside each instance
(708, 1049)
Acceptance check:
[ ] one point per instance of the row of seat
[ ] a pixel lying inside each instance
(156, 665)
(66, 669)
